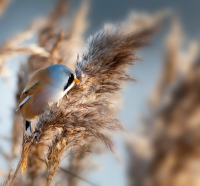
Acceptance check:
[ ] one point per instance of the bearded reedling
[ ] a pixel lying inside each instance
(47, 85)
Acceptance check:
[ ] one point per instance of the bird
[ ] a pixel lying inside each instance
(47, 85)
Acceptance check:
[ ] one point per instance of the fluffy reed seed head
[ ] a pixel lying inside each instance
(84, 112)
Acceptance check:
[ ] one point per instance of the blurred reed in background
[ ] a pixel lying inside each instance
(165, 150)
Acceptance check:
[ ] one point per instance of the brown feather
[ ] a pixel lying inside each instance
(34, 88)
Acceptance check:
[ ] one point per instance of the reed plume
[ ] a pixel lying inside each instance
(84, 112)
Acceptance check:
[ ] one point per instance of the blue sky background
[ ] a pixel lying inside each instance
(21, 13)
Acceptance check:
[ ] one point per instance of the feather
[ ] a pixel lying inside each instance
(24, 100)
(27, 89)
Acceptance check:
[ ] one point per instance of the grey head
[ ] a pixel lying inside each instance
(62, 76)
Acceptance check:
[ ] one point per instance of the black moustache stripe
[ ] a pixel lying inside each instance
(70, 80)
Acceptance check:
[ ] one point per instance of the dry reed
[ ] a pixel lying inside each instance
(3, 6)
(170, 138)
(81, 114)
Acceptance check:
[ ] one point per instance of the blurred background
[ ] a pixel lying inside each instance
(160, 111)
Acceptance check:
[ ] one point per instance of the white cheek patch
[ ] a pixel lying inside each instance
(25, 100)
(68, 88)
(65, 92)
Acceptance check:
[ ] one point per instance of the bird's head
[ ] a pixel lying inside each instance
(62, 76)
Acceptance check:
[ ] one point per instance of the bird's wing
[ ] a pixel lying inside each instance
(24, 100)
(27, 93)
(30, 86)
(34, 85)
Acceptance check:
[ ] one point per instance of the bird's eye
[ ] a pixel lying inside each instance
(70, 80)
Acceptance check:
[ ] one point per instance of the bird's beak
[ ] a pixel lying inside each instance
(76, 80)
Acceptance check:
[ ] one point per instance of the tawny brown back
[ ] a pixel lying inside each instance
(35, 88)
